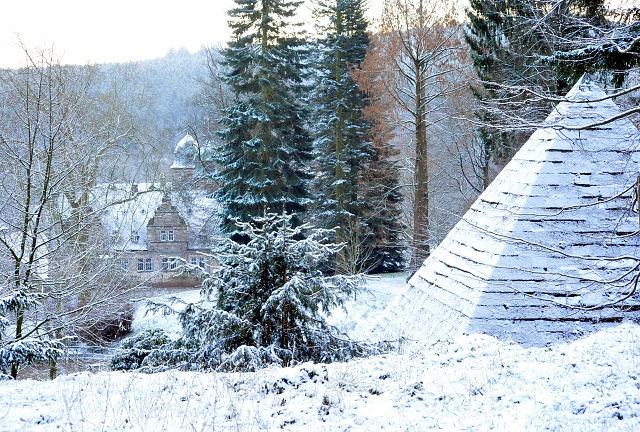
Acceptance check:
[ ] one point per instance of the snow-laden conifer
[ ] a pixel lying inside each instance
(266, 146)
(341, 147)
(270, 305)
(349, 168)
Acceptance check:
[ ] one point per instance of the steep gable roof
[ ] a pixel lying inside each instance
(544, 234)
(128, 221)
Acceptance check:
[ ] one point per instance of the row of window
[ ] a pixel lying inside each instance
(146, 264)
(167, 235)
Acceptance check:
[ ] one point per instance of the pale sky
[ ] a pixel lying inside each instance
(115, 30)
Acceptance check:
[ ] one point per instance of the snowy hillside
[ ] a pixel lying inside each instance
(475, 383)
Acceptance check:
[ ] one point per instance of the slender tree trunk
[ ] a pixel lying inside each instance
(341, 235)
(486, 158)
(19, 321)
(285, 308)
(53, 363)
(421, 179)
(53, 369)
(264, 45)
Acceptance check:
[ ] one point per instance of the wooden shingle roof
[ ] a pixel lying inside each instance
(536, 254)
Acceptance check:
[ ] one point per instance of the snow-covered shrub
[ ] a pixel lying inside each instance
(27, 351)
(135, 350)
(271, 303)
(16, 351)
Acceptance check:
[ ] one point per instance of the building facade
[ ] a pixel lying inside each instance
(167, 249)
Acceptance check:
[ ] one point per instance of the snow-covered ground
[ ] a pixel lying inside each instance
(472, 383)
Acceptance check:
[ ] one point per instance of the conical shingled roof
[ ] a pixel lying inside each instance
(544, 234)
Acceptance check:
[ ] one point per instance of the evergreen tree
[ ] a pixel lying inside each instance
(270, 306)
(341, 148)
(22, 349)
(506, 49)
(266, 146)
(591, 38)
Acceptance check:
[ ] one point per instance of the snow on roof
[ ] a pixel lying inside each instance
(541, 236)
(200, 212)
(128, 220)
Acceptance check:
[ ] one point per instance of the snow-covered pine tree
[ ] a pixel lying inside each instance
(266, 147)
(341, 147)
(270, 306)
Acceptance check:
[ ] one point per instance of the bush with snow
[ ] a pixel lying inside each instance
(22, 349)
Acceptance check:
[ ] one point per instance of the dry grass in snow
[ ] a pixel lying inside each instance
(474, 383)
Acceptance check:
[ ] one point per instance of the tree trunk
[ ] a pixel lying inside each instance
(19, 321)
(486, 159)
(341, 235)
(421, 180)
(53, 369)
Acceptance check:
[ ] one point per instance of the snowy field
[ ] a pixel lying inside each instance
(474, 383)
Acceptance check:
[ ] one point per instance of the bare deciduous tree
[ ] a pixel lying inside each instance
(416, 60)
(63, 129)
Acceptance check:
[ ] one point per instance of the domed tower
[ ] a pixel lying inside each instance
(185, 156)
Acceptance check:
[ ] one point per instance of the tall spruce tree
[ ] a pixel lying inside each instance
(341, 148)
(265, 142)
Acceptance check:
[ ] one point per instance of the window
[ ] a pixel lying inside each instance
(169, 264)
(171, 235)
(140, 264)
(123, 264)
(163, 235)
(194, 261)
(148, 264)
(135, 238)
(202, 262)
